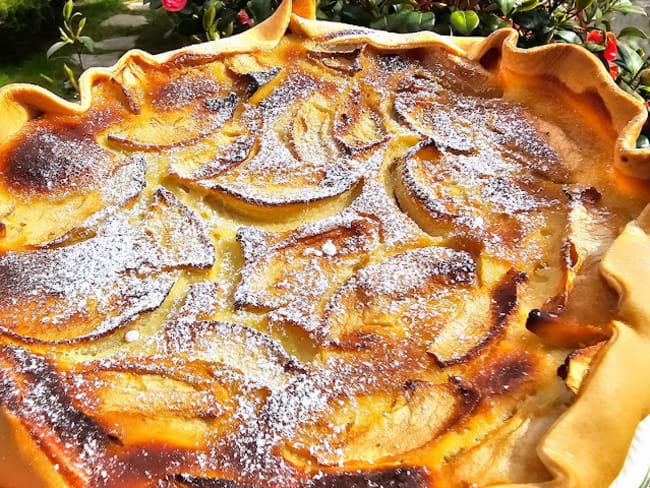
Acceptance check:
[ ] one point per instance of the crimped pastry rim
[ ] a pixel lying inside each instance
(599, 422)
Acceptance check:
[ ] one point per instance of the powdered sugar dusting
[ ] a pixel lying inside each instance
(106, 281)
(190, 398)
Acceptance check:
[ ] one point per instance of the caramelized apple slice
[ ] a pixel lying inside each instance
(56, 176)
(579, 314)
(429, 295)
(348, 62)
(427, 107)
(408, 294)
(162, 130)
(260, 359)
(577, 366)
(308, 168)
(255, 73)
(323, 255)
(482, 322)
(90, 288)
(32, 393)
(465, 123)
(481, 196)
(358, 127)
(381, 425)
(286, 149)
(179, 403)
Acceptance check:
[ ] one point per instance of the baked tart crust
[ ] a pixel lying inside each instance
(319, 255)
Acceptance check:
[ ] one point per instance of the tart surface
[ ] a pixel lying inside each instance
(324, 257)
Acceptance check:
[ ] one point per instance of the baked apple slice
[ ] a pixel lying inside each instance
(232, 345)
(482, 197)
(430, 295)
(178, 403)
(323, 255)
(368, 428)
(56, 176)
(298, 141)
(408, 294)
(577, 366)
(156, 131)
(89, 288)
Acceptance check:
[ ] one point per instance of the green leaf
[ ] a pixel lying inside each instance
(261, 9)
(583, 4)
(354, 14)
(55, 47)
(506, 6)
(80, 27)
(405, 20)
(631, 60)
(527, 5)
(568, 36)
(67, 9)
(46, 78)
(208, 18)
(632, 32)
(570, 25)
(642, 141)
(491, 22)
(593, 47)
(88, 43)
(418, 21)
(71, 77)
(645, 77)
(463, 21)
(628, 8)
(65, 37)
(534, 20)
(598, 16)
(627, 88)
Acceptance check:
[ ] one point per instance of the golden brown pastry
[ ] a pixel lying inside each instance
(324, 257)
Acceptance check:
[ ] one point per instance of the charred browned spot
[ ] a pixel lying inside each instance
(505, 375)
(490, 60)
(505, 297)
(357, 228)
(257, 79)
(412, 477)
(54, 157)
(554, 330)
(227, 104)
(590, 196)
(3, 230)
(135, 465)
(569, 255)
(31, 390)
(469, 394)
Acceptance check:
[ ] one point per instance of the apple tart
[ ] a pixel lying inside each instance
(320, 256)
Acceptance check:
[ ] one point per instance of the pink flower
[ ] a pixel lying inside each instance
(174, 5)
(244, 18)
